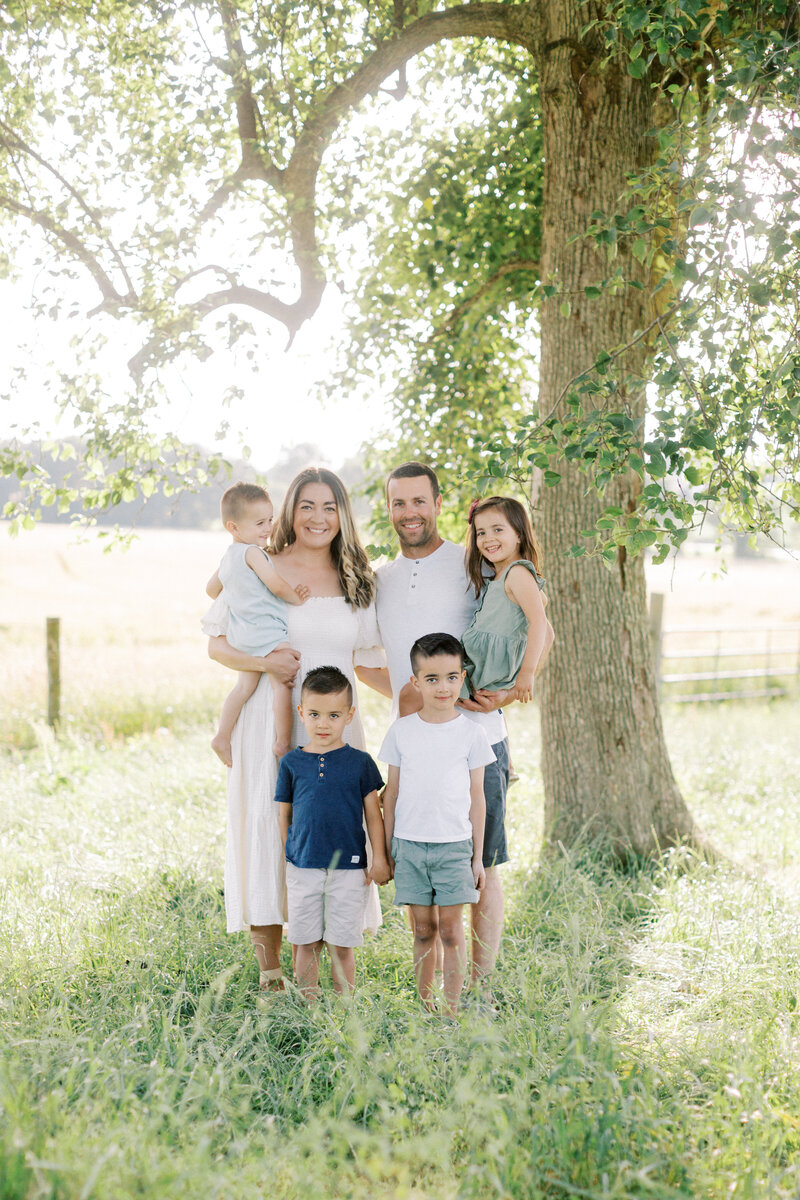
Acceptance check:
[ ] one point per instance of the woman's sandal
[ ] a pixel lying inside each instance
(270, 983)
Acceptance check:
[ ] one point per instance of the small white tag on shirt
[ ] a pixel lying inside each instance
(354, 858)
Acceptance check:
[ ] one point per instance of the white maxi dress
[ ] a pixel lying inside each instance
(327, 632)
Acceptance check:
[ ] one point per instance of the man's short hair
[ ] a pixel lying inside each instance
(410, 470)
(235, 500)
(432, 644)
(327, 681)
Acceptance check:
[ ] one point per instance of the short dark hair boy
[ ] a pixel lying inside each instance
(325, 790)
(434, 812)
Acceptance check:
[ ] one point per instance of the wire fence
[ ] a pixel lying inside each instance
(734, 662)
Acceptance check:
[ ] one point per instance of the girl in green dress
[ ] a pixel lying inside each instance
(510, 637)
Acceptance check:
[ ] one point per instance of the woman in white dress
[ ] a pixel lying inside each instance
(315, 542)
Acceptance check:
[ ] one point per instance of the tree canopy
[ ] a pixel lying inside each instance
(142, 143)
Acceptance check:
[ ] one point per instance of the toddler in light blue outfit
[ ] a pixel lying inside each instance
(257, 597)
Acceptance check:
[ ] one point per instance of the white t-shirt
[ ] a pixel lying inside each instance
(435, 761)
(427, 595)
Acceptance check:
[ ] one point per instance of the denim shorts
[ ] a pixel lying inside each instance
(429, 873)
(495, 787)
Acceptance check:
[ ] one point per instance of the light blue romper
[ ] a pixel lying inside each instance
(495, 640)
(257, 622)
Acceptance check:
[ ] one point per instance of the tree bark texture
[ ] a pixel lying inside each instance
(605, 764)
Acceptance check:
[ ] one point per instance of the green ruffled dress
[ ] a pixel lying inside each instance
(495, 641)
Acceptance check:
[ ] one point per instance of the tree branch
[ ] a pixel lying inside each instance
(291, 315)
(517, 24)
(513, 23)
(256, 163)
(12, 141)
(111, 297)
(455, 314)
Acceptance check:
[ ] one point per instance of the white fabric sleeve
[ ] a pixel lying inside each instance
(215, 622)
(368, 651)
(389, 752)
(480, 752)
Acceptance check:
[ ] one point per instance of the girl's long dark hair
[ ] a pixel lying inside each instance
(518, 518)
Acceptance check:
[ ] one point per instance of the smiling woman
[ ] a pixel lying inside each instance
(316, 544)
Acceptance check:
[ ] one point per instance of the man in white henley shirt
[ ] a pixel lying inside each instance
(426, 590)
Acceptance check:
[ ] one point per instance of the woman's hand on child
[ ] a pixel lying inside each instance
(282, 664)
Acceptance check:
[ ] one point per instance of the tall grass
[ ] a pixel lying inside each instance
(646, 1041)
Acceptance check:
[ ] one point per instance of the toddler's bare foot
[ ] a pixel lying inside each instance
(280, 748)
(222, 748)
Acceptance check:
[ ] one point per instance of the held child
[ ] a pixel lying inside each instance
(434, 813)
(326, 789)
(257, 596)
(509, 637)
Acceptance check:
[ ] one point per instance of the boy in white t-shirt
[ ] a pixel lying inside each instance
(434, 813)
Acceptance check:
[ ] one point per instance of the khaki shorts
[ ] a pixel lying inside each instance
(326, 905)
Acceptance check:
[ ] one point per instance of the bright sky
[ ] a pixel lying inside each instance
(278, 408)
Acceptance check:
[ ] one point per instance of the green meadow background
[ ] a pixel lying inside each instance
(647, 1038)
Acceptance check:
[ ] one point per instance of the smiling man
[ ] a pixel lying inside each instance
(425, 589)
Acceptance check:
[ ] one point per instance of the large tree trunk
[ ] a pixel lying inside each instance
(605, 763)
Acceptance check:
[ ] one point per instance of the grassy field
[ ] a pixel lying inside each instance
(647, 1042)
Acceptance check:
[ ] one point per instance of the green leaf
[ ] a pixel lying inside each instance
(699, 216)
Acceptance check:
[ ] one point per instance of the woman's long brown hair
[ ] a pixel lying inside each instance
(349, 556)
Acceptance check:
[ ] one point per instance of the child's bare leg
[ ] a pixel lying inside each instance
(306, 967)
(343, 968)
(426, 928)
(451, 932)
(266, 941)
(439, 957)
(246, 684)
(282, 707)
(284, 712)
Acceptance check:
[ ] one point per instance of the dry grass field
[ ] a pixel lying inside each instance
(132, 651)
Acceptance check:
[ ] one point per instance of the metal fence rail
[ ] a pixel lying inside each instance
(736, 656)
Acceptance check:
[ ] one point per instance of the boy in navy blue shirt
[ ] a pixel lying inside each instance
(325, 790)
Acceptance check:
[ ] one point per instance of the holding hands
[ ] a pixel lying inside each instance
(381, 871)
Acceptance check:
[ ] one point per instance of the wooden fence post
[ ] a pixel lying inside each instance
(53, 670)
(656, 619)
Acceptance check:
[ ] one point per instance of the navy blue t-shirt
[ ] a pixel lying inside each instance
(327, 793)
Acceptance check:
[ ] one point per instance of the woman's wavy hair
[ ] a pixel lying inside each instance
(349, 556)
(518, 518)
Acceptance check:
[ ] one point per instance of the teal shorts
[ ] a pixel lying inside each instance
(429, 873)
